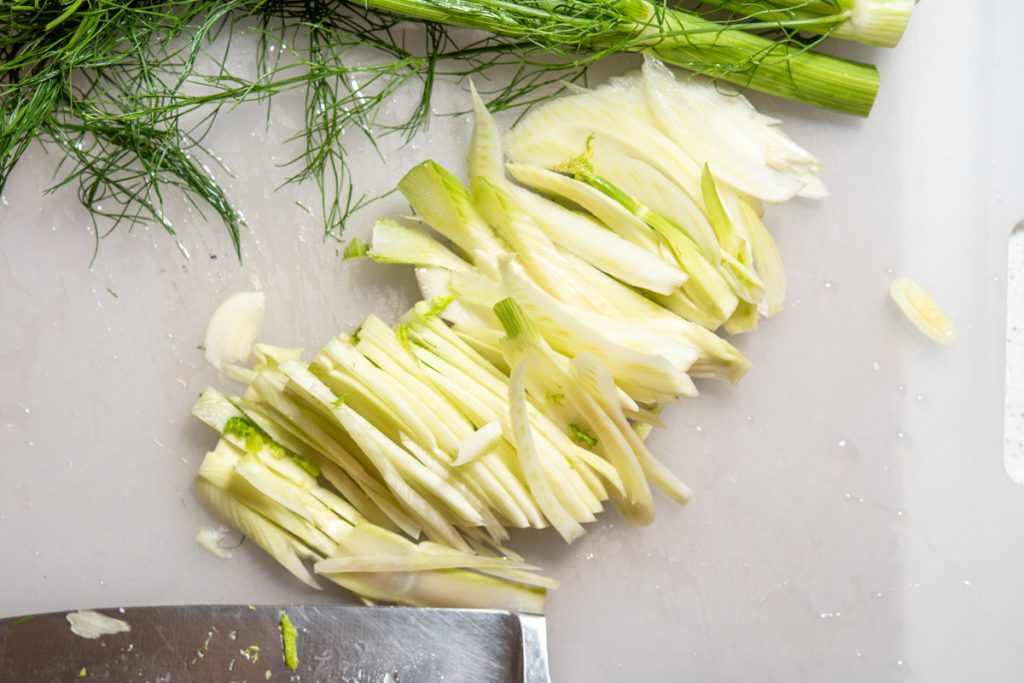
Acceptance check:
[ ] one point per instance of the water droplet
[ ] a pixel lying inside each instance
(699, 428)
(889, 271)
(899, 513)
(828, 285)
(901, 389)
(749, 418)
(860, 655)
(920, 398)
(842, 443)
(875, 366)
(900, 435)
(967, 582)
(588, 556)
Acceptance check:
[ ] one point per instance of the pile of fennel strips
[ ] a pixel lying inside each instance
(569, 295)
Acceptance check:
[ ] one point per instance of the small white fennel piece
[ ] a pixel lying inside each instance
(91, 624)
(922, 311)
(233, 329)
(209, 539)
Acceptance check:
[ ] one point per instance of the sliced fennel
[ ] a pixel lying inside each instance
(209, 539)
(558, 319)
(535, 249)
(547, 375)
(272, 539)
(233, 329)
(767, 261)
(719, 127)
(921, 310)
(559, 129)
(615, 216)
(443, 202)
(706, 286)
(365, 548)
(396, 243)
(603, 248)
(514, 210)
(647, 377)
(479, 442)
(91, 624)
(360, 551)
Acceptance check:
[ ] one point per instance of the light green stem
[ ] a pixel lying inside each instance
(872, 22)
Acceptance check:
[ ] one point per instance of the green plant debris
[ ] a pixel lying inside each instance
(288, 642)
(201, 652)
(357, 248)
(582, 437)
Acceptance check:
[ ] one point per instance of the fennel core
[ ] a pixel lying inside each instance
(109, 84)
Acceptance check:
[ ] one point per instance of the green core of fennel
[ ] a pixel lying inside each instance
(256, 439)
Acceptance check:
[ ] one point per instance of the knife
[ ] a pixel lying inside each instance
(243, 643)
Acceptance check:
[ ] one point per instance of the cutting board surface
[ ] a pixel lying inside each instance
(852, 521)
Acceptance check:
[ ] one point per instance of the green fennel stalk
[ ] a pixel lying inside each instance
(872, 22)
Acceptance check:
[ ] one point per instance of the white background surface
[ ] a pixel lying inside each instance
(852, 521)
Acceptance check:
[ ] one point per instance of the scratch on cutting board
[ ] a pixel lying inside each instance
(173, 649)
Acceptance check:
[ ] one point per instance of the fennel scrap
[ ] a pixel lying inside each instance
(922, 311)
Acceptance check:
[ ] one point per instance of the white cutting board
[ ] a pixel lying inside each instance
(853, 521)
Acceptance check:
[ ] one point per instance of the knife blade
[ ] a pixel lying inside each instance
(243, 643)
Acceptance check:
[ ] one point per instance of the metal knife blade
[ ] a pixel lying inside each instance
(228, 643)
